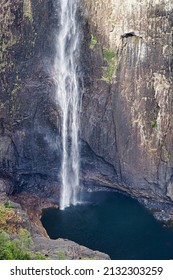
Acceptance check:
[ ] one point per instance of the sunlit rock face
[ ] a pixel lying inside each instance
(128, 120)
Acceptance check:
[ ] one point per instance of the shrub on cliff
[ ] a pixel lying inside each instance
(12, 249)
(18, 248)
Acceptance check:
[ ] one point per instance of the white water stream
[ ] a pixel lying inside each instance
(67, 97)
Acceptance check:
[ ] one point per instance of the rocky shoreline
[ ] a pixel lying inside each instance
(28, 209)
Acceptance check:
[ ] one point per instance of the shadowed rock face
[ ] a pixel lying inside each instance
(29, 119)
(128, 121)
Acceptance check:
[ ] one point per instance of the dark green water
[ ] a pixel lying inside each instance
(114, 224)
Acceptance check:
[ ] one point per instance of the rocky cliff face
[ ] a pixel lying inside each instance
(127, 107)
(30, 120)
(29, 139)
(126, 119)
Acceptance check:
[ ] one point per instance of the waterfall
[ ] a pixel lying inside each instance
(67, 97)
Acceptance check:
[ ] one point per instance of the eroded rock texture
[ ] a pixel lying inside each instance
(128, 120)
(29, 138)
(30, 119)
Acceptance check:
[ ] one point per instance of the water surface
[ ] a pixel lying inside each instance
(112, 223)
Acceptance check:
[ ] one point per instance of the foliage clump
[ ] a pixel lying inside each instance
(39, 256)
(110, 59)
(10, 221)
(108, 55)
(93, 42)
(15, 241)
(18, 248)
(154, 124)
(8, 205)
(61, 255)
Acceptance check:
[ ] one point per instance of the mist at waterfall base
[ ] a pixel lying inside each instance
(114, 224)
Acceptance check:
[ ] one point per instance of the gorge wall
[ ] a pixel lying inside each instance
(126, 116)
(29, 138)
(30, 119)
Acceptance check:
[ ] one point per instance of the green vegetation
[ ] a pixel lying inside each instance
(25, 238)
(18, 248)
(154, 124)
(12, 249)
(110, 59)
(39, 256)
(61, 255)
(93, 42)
(108, 55)
(9, 219)
(8, 204)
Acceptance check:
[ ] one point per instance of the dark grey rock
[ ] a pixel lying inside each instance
(63, 248)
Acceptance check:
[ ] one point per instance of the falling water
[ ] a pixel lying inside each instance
(67, 96)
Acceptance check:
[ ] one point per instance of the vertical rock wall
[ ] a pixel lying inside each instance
(126, 57)
(29, 141)
(128, 120)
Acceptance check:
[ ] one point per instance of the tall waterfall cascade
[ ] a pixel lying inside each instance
(67, 98)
